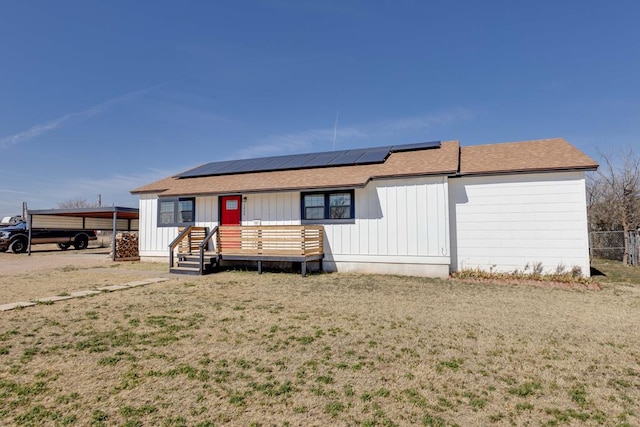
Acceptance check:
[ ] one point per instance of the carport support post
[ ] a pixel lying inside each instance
(29, 242)
(113, 235)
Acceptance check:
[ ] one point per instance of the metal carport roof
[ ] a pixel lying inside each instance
(122, 219)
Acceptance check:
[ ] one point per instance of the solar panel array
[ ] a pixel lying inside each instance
(362, 156)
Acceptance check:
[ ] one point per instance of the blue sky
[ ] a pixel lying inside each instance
(100, 97)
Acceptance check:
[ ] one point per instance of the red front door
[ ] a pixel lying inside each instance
(230, 210)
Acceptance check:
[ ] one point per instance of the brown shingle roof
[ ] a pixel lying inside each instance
(449, 159)
(526, 156)
(434, 161)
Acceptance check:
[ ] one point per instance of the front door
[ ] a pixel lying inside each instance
(230, 210)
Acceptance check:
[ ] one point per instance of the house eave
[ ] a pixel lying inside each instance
(136, 192)
(527, 171)
(414, 175)
(344, 185)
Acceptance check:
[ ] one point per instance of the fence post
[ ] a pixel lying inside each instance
(633, 247)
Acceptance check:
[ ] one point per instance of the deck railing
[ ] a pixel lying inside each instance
(270, 240)
(251, 242)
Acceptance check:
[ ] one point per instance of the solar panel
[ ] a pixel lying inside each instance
(214, 168)
(298, 161)
(416, 146)
(349, 157)
(230, 167)
(322, 159)
(275, 163)
(250, 164)
(376, 155)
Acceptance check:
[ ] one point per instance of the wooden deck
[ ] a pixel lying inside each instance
(292, 243)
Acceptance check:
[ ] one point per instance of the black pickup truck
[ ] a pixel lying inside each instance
(16, 238)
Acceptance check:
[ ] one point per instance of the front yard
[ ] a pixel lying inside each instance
(236, 348)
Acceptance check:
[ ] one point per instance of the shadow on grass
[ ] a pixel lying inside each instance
(606, 270)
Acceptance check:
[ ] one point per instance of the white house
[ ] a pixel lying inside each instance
(420, 209)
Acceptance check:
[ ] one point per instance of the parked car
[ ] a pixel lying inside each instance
(15, 238)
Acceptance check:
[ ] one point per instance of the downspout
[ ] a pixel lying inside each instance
(453, 235)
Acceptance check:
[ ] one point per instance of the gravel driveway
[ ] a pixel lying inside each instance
(47, 257)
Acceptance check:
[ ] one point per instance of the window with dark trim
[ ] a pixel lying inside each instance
(176, 212)
(327, 205)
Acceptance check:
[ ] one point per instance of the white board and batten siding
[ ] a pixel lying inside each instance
(401, 226)
(281, 208)
(507, 222)
(153, 240)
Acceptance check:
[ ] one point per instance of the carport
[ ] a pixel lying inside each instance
(114, 219)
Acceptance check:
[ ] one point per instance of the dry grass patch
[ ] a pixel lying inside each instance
(241, 349)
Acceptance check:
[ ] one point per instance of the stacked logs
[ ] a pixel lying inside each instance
(127, 246)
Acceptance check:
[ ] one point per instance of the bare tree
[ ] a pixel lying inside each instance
(76, 204)
(613, 196)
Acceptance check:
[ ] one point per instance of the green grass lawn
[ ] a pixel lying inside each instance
(237, 348)
(609, 271)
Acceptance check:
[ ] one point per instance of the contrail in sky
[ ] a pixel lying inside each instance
(37, 130)
(3, 190)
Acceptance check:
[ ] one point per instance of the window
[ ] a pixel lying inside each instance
(231, 205)
(313, 206)
(185, 211)
(340, 205)
(328, 205)
(172, 212)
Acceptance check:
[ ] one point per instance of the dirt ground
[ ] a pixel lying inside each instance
(44, 273)
(46, 257)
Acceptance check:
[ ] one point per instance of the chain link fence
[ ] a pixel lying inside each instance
(610, 245)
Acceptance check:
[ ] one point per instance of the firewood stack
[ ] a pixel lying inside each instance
(127, 247)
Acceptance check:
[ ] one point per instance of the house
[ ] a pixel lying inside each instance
(420, 209)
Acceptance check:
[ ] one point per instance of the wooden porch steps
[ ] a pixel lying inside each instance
(185, 270)
(189, 263)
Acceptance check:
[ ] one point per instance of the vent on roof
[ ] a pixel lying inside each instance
(362, 156)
